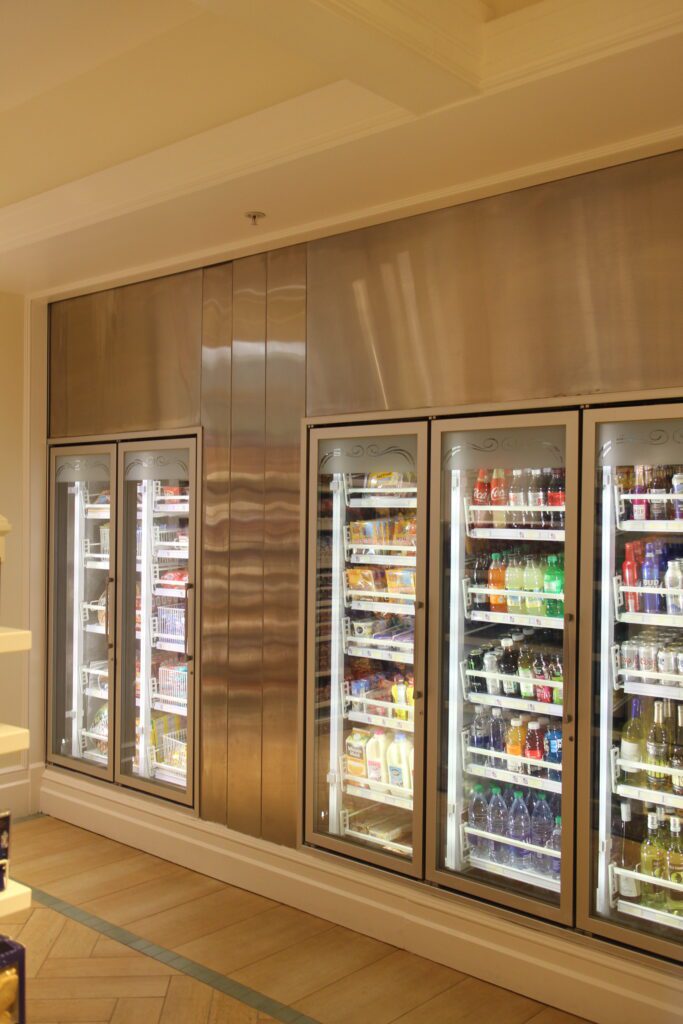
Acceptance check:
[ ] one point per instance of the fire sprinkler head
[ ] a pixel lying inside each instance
(254, 216)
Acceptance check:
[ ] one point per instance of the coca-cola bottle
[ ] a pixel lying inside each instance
(499, 496)
(481, 495)
(546, 517)
(556, 498)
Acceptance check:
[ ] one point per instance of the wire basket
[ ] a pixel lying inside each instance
(174, 750)
(172, 682)
(171, 622)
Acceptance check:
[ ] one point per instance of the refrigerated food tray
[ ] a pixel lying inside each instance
(168, 628)
(171, 543)
(171, 758)
(94, 557)
(371, 710)
(168, 587)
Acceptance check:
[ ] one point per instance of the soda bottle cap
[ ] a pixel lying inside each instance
(506, 642)
(533, 726)
(626, 811)
(558, 820)
(552, 559)
(515, 722)
(540, 796)
(496, 712)
(495, 790)
(517, 794)
(495, 557)
(478, 788)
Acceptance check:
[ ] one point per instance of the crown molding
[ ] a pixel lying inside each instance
(548, 37)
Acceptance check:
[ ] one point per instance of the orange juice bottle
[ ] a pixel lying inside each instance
(498, 602)
(515, 741)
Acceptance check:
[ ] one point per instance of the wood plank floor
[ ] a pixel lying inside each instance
(208, 953)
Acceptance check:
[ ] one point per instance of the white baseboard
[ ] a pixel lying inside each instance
(19, 790)
(578, 974)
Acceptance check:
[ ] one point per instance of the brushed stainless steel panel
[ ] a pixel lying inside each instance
(285, 408)
(215, 413)
(245, 658)
(571, 287)
(127, 358)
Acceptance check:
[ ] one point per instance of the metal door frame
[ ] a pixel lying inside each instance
(159, 789)
(54, 757)
(586, 918)
(419, 429)
(561, 913)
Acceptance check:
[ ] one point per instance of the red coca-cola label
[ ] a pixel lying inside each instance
(498, 495)
(555, 498)
(481, 493)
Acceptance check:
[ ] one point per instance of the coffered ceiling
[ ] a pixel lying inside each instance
(135, 134)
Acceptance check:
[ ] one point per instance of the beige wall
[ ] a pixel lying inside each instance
(13, 667)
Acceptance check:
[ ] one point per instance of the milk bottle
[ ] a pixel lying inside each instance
(399, 761)
(376, 756)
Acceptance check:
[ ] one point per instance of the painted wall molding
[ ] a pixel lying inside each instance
(580, 975)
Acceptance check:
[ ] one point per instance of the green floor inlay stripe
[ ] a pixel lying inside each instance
(228, 986)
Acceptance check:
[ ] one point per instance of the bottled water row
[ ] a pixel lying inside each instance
(534, 822)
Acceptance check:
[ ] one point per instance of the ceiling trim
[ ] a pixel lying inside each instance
(597, 158)
(288, 131)
(550, 36)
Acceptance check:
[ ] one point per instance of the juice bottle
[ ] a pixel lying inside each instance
(399, 761)
(514, 744)
(499, 496)
(653, 863)
(376, 756)
(533, 748)
(629, 574)
(657, 750)
(525, 671)
(556, 676)
(556, 499)
(356, 756)
(514, 580)
(508, 667)
(533, 583)
(542, 692)
(674, 868)
(497, 574)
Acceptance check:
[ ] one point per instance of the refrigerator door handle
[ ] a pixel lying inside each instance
(189, 622)
(108, 616)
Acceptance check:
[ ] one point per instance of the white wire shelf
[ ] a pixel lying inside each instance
(94, 627)
(385, 844)
(650, 914)
(363, 718)
(651, 525)
(544, 851)
(659, 692)
(100, 737)
(380, 601)
(661, 618)
(538, 621)
(95, 511)
(508, 871)
(529, 531)
(96, 756)
(651, 796)
(381, 650)
(99, 694)
(369, 709)
(486, 771)
(363, 553)
(382, 497)
(536, 707)
(639, 876)
(378, 792)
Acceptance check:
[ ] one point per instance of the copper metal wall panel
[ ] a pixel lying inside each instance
(215, 413)
(245, 658)
(285, 408)
(567, 288)
(127, 359)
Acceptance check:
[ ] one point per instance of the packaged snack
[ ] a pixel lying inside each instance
(365, 579)
(366, 627)
(400, 581)
(384, 481)
(405, 531)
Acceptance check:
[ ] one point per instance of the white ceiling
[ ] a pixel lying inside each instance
(137, 134)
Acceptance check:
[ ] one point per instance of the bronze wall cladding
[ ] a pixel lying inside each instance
(127, 359)
(572, 287)
(247, 512)
(215, 411)
(285, 408)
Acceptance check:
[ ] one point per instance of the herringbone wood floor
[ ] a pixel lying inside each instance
(329, 973)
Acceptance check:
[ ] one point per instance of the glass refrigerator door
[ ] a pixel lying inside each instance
(156, 620)
(636, 815)
(365, 622)
(81, 631)
(504, 507)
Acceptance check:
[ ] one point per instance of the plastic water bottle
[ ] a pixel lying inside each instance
(480, 731)
(519, 827)
(498, 825)
(497, 734)
(555, 843)
(541, 831)
(478, 817)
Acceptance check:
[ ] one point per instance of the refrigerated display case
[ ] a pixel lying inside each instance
(156, 616)
(501, 659)
(81, 608)
(631, 861)
(122, 618)
(366, 564)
